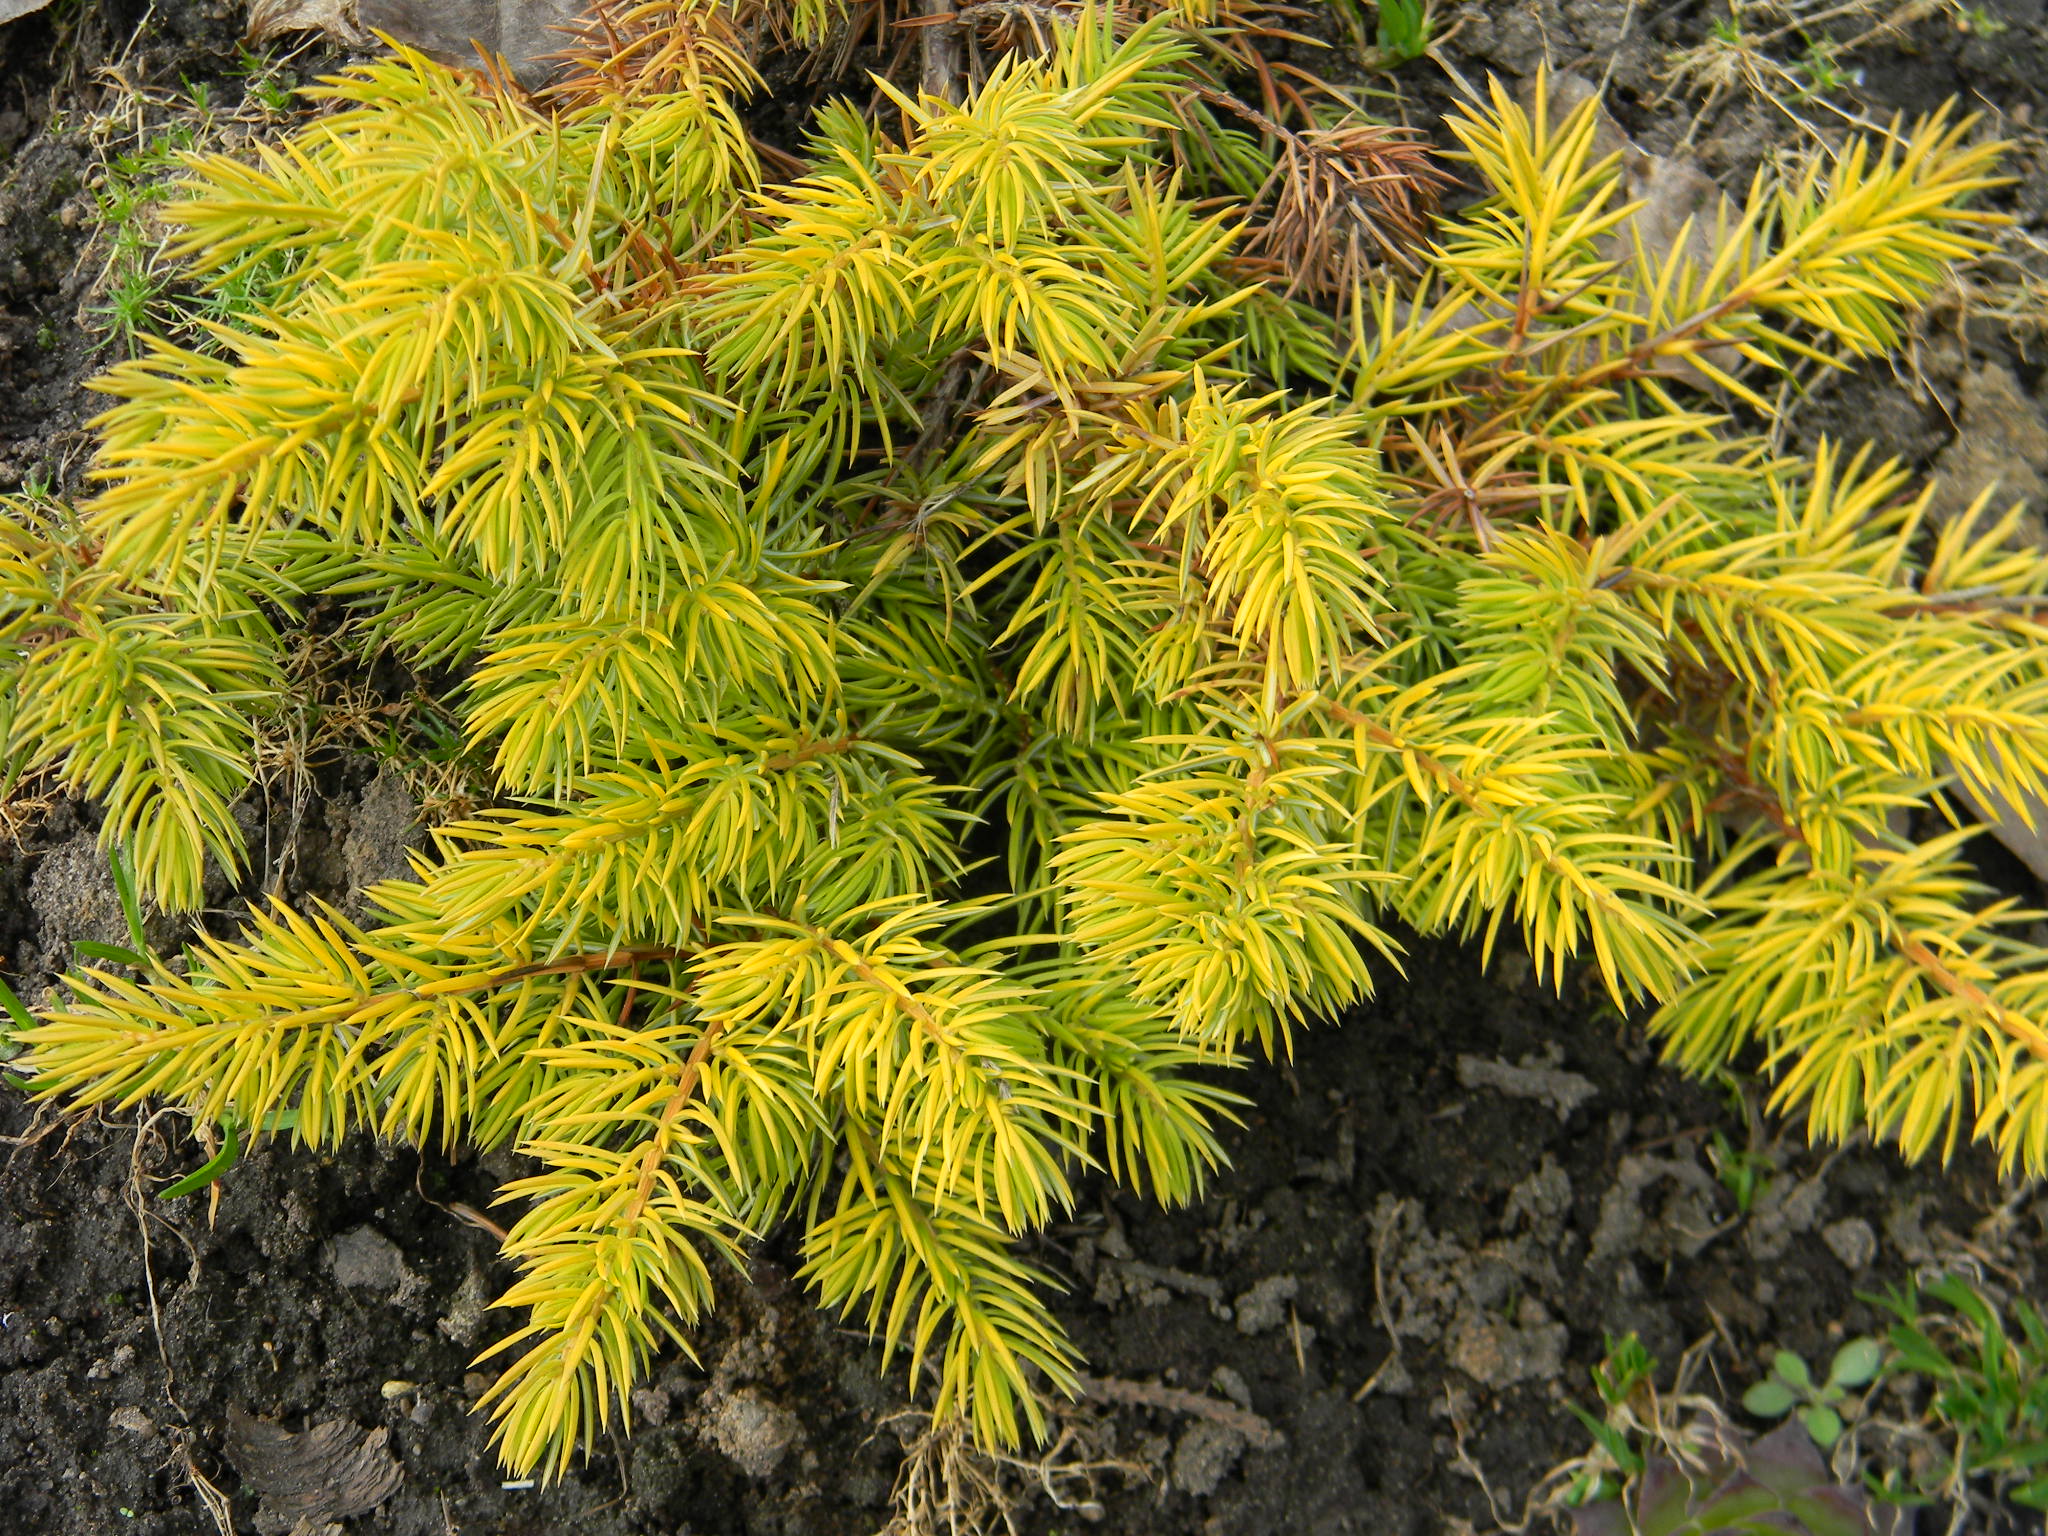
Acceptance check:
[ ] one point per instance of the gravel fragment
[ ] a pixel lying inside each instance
(754, 1432)
(1853, 1241)
(367, 1258)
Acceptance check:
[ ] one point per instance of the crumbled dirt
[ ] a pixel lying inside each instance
(1435, 1217)
(2000, 447)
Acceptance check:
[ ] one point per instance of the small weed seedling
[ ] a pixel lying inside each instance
(13, 1017)
(1790, 1388)
(1977, 21)
(267, 88)
(1989, 1380)
(1743, 1172)
(135, 287)
(1819, 70)
(1621, 1375)
(1406, 29)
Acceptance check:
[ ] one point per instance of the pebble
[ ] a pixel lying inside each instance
(366, 1258)
(1853, 1241)
(122, 1357)
(754, 1432)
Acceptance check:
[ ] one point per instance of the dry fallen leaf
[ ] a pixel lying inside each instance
(274, 18)
(526, 33)
(329, 1472)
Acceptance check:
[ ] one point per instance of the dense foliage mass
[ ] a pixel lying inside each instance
(966, 645)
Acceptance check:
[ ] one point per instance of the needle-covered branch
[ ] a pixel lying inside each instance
(962, 648)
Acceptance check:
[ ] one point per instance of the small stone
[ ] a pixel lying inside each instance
(74, 896)
(1852, 1241)
(122, 1357)
(368, 1259)
(2000, 446)
(754, 1432)
(1264, 1306)
(464, 1317)
(134, 1420)
(1206, 1454)
(448, 30)
(1905, 1230)
(393, 1390)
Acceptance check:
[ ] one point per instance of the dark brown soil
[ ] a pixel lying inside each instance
(1392, 1176)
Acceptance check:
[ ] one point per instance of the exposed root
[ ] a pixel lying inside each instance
(949, 1486)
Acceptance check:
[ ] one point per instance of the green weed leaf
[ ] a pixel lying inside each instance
(1769, 1399)
(229, 1154)
(1823, 1423)
(1791, 1369)
(93, 949)
(1856, 1363)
